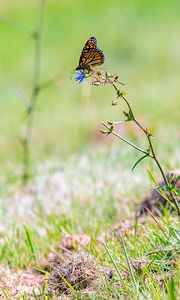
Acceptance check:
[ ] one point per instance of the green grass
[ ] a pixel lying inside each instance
(90, 194)
(155, 255)
(82, 181)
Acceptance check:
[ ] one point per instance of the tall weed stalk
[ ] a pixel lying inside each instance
(103, 78)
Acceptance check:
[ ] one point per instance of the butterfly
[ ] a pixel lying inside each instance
(91, 55)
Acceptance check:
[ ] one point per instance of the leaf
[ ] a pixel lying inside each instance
(128, 115)
(146, 155)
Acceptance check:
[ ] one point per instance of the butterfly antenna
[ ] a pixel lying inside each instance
(72, 73)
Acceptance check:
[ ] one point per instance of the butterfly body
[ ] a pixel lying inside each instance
(91, 55)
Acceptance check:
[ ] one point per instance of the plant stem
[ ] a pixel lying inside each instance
(151, 147)
(163, 174)
(35, 92)
(124, 140)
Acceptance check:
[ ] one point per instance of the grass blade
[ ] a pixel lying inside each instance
(113, 262)
(171, 290)
(121, 240)
(30, 241)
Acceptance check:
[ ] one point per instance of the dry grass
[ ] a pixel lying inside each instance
(78, 271)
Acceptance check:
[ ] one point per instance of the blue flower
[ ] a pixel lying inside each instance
(80, 76)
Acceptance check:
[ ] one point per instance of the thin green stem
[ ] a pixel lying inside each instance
(163, 174)
(124, 140)
(35, 91)
(152, 153)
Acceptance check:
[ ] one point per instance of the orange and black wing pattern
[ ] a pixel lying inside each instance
(91, 55)
(91, 43)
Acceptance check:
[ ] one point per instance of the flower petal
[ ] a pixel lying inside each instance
(80, 76)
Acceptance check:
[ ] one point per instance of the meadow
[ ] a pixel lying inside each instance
(81, 185)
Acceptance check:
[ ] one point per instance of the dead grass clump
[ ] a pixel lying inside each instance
(78, 271)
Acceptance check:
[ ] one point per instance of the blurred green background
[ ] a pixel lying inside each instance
(141, 43)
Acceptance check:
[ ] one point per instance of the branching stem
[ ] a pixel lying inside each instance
(148, 135)
(124, 140)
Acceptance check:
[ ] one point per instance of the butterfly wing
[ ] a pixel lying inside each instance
(91, 55)
(91, 43)
(92, 58)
